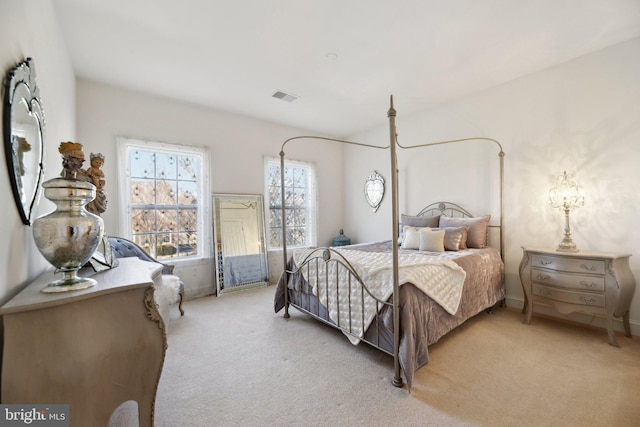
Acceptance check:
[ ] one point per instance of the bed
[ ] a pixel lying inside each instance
(403, 294)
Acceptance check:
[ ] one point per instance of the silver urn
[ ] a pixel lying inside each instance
(68, 236)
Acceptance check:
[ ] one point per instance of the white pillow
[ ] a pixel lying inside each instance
(431, 240)
(411, 238)
(416, 222)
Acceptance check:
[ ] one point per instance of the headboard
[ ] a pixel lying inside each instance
(444, 208)
(455, 210)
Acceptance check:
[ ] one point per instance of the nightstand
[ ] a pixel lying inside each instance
(596, 283)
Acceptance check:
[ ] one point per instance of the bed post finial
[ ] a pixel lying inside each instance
(392, 111)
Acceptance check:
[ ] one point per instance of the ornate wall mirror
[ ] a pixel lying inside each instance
(23, 124)
(240, 242)
(374, 190)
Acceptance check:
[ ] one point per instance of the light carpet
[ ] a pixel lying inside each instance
(232, 362)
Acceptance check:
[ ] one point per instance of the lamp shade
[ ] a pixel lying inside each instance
(566, 193)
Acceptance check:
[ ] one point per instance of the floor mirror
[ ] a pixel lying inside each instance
(240, 239)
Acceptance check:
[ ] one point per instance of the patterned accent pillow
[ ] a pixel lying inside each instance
(477, 234)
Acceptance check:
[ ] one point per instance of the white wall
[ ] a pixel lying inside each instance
(237, 146)
(28, 28)
(582, 117)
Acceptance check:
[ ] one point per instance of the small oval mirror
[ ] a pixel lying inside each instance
(23, 137)
(374, 190)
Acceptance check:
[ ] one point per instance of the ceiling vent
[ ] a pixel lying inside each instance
(285, 96)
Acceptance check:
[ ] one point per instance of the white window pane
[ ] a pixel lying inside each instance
(142, 164)
(188, 168)
(187, 193)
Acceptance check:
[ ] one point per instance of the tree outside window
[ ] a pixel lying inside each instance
(165, 189)
(300, 205)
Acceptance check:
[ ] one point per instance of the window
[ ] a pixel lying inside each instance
(163, 207)
(300, 202)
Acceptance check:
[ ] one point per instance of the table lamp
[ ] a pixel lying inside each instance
(566, 194)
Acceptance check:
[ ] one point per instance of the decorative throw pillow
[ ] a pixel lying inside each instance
(416, 221)
(431, 240)
(477, 234)
(455, 238)
(419, 221)
(411, 237)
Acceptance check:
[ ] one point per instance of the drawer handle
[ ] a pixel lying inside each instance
(590, 301)
(543, 277)
(545, 262)
(544, 292)
(592, 268)
(588, 285)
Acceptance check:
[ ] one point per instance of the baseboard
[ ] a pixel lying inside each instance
(198, 293)
(580, 319)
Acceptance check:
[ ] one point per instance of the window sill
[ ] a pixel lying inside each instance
(291, 248)
(187, 262)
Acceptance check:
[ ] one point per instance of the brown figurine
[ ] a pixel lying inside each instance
(94, 172)
(96, 177)
(72, 160)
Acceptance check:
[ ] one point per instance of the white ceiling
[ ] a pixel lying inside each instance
(233, 55)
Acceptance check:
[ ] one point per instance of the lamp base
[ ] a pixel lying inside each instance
(567, 246)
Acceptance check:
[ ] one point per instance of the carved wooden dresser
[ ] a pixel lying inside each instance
(595, 283)
(92, 349)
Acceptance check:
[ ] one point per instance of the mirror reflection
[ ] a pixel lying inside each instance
(239, 235)
(23, 139)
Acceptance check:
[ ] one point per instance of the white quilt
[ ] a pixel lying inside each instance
(441, 279)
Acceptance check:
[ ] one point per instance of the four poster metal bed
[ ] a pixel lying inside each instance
(348, 287)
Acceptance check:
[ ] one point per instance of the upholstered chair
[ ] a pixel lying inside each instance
(123, 248)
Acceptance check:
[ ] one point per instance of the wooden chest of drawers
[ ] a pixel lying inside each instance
(595, 283)
(92, 349)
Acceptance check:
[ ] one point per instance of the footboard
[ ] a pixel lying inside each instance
(326, 286)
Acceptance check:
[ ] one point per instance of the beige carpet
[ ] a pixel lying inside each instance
(233, 362)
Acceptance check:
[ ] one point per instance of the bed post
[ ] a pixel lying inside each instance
(501, 155)
(397, 378)
(285, 276)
